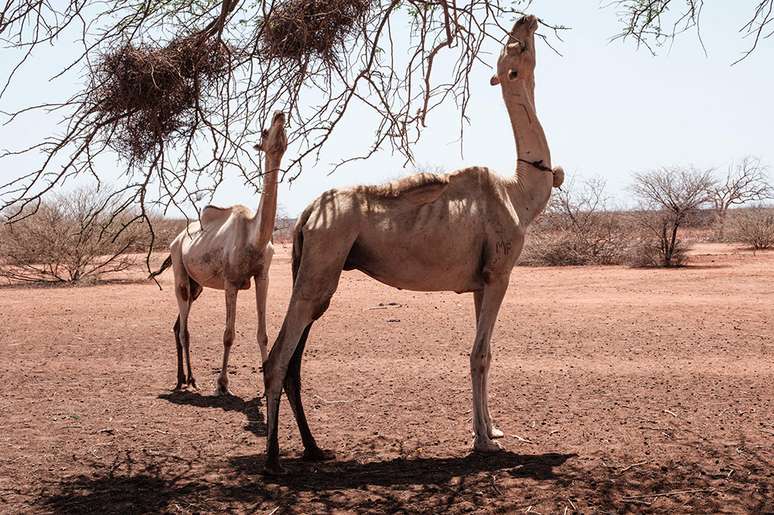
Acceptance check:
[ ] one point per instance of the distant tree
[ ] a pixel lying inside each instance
(68, 239)
(746, 181)
(671, 195)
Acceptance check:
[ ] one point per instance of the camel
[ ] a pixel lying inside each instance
(458, 232)
(223, 251)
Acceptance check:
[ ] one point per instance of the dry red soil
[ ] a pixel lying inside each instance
(619, 390)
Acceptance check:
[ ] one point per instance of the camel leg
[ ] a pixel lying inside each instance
(228, 337)
(480, 359)
(309, 301)
(312, 451)
(186, 291)
(179, 347)
(261, 292)
(493, 432)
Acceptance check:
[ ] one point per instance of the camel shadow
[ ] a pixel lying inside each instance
(403, 472)
(256, 422)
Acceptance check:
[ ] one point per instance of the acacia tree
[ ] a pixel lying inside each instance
(746, 181)
(224, 67)
(178, 89)
(671, 195)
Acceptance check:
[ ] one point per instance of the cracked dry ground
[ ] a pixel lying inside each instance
(619, 390)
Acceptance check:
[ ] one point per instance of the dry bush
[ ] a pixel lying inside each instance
(305, 29)
(165, 230)
(66, 240)
(578, 229)
(671, 198)
(654, 245)
(755, 227)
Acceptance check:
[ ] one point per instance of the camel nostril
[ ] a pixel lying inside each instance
(513, 74)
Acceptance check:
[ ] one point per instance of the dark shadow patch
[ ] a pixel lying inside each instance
(401, 471)
(256, 422)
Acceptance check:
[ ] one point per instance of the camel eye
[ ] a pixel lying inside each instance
(513, 74)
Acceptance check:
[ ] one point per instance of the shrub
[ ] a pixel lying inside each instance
(577, 229)
(755, 227)
(69, 239)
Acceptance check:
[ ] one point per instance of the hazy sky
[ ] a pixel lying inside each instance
(607, 108)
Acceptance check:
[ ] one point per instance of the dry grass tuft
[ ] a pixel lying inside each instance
(151, 92)
(306, 29)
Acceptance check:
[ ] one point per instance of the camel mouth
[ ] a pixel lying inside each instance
(278, 117)
(528, 21)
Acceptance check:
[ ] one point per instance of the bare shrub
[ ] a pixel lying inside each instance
(746, 181)
(67, 240)
(670, 197)
(654, 244)
(577, 229)
(283, 226)
(755, 227)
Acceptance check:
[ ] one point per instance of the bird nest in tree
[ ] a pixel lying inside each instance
(150, 94)
(305, 29)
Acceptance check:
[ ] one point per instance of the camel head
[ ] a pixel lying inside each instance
(517, 59)
(274, 140)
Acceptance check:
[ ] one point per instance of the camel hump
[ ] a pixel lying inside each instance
(214, 215)
(421, 188)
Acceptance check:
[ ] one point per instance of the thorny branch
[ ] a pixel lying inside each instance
(653, 23)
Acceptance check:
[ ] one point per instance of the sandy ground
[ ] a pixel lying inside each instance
(619, 390)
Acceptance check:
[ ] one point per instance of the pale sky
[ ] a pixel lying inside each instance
(608, 109)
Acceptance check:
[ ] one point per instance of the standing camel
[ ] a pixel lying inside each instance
(224, 250)
(459, 232)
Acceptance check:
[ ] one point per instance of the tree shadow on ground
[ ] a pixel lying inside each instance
(256, 422)
(151, 481)
(400, 471)
(158, 482)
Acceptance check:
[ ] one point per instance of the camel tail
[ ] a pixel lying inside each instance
(166, 264)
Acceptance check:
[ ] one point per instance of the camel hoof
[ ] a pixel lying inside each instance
(487, 446)
(495, 433)
(222, 389)
(192, 384)
(317, 454)
(273, 468)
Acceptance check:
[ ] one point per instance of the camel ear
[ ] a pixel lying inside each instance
(494, 81)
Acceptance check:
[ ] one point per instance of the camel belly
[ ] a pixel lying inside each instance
(419, 267)
(209, 264)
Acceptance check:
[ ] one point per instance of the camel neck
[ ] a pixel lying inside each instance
(267, 207)
(532, 187)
